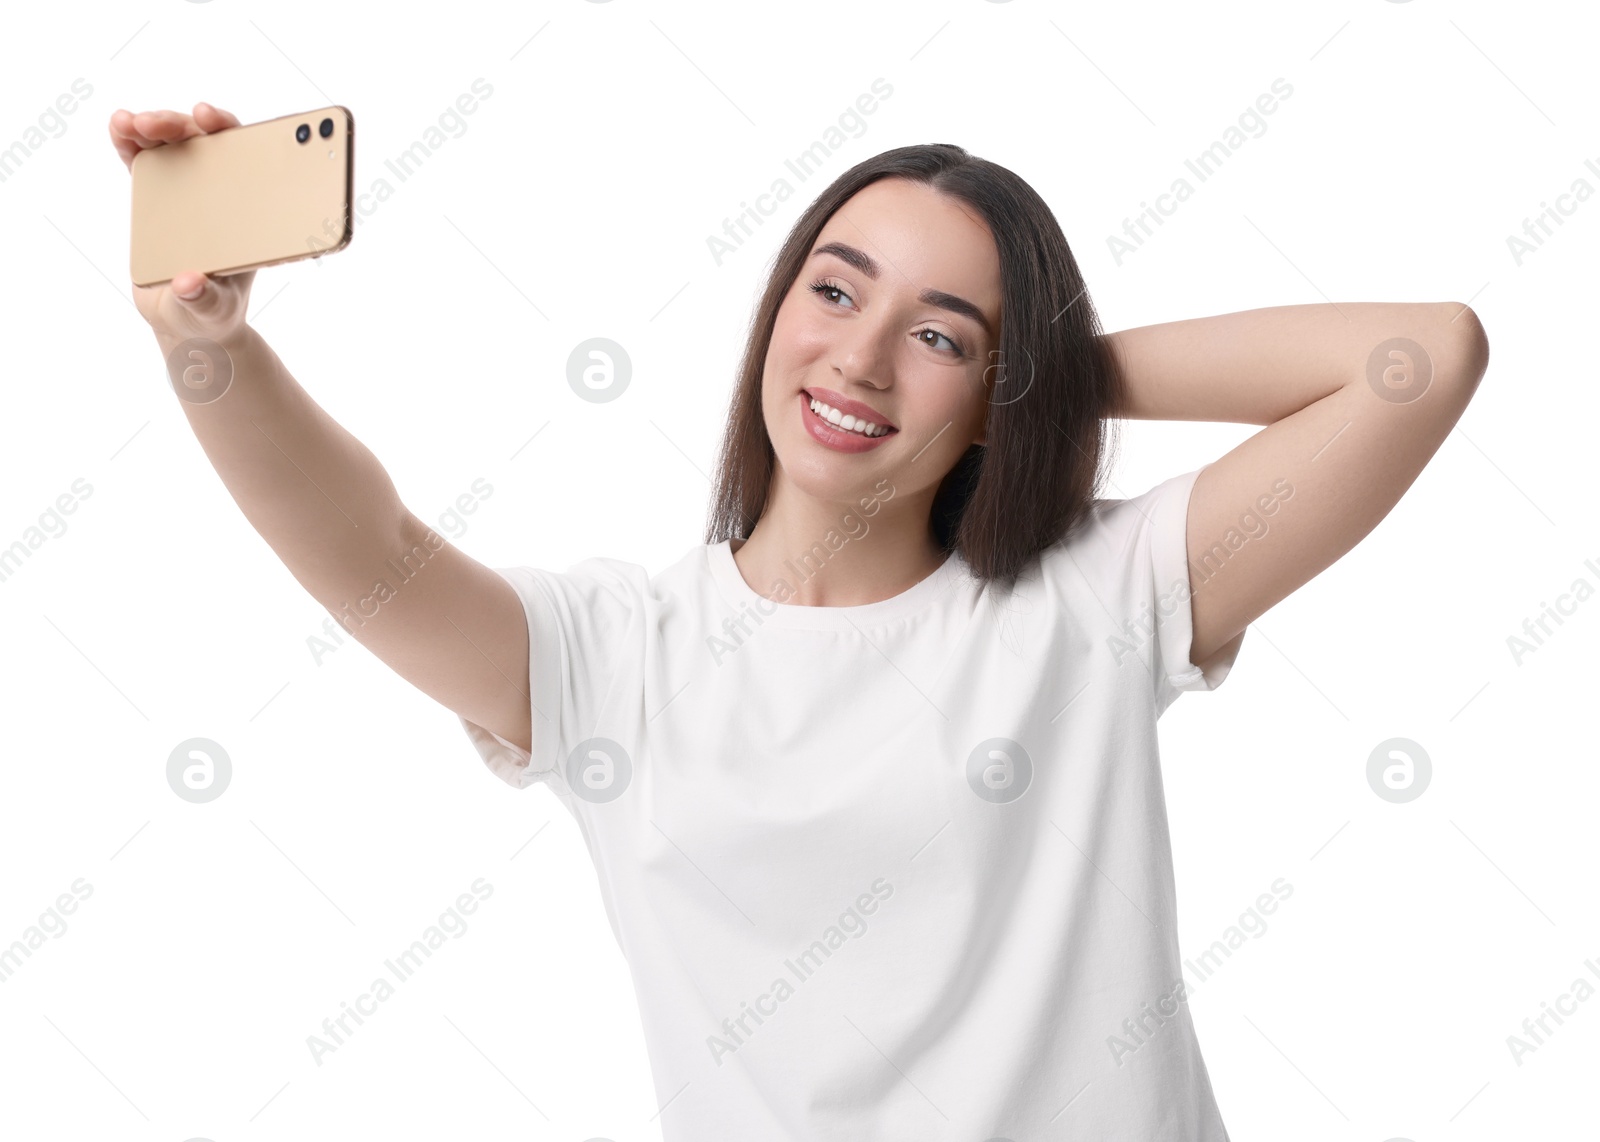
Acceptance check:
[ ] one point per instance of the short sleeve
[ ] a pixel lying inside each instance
(1135, 551)
(1168, 554)
(585, 658)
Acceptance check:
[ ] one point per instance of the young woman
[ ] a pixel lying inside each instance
(870, 778)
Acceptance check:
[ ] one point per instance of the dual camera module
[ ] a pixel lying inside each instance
(303, 132)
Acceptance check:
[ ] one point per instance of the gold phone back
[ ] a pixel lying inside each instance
(242, 198)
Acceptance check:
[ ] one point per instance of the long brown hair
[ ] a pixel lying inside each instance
(1052, 391)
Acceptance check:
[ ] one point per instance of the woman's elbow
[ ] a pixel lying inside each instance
(1469, 344)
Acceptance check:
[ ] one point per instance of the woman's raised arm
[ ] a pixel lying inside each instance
(449, 625)
(1356, 398)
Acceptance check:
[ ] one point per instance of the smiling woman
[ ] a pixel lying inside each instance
(865, 289)
(925, 351)
(883, 717)
(892, 719)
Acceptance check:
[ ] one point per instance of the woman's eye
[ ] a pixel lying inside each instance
(825, 289)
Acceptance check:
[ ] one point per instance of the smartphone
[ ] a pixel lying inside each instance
(255, 195)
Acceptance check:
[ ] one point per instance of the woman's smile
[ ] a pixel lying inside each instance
(833, 434)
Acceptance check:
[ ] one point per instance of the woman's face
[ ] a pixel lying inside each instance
(904, 324)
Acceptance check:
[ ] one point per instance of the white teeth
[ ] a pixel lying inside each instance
(844, 421)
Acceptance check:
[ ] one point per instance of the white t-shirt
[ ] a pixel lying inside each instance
(898, 871)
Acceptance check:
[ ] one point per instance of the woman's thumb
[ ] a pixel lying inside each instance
(189, 286)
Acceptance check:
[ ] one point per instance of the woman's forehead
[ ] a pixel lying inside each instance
(920, 237)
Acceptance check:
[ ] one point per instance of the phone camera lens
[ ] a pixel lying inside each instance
(302, 133)
(326, 128)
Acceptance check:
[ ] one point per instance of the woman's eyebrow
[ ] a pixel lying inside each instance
(862, 261)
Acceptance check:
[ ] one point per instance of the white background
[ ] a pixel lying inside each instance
(618, 137)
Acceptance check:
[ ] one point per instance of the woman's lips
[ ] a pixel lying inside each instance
(834, 437)
(847, 406)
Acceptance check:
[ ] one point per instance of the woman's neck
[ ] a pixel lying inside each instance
(810, 553)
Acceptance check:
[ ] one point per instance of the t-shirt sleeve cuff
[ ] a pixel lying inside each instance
(1174, 590)
(514, 765)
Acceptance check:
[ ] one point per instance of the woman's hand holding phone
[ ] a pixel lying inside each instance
(191, 304)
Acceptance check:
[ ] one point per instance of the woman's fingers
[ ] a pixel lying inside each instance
(135, 131)
(124, 137)
(164, 126)
(213, 119)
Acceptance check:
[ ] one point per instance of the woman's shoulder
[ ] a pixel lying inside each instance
(1114, 535)
(624, 577)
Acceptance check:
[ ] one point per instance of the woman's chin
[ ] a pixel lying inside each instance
(829, 476)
